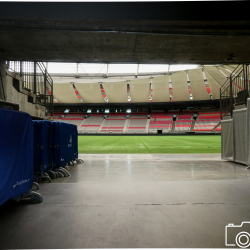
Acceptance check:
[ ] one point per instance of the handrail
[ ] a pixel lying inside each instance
(36, 79)
(235, 90)
(233, 72)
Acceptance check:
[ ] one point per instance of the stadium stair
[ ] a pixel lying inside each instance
(128, 121)
(81, 123)
(192, 126)
(214, 129)
(125, 126)
(173, 126)
(147, 126)
(207, 122)
(100, 128)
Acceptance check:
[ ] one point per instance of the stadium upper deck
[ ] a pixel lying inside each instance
(201, 83)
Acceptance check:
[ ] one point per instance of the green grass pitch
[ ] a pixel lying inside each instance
(149, 144)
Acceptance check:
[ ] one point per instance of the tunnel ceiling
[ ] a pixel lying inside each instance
(125, 32)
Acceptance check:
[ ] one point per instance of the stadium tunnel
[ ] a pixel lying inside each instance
(155, 99)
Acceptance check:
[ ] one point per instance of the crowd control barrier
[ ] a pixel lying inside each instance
(33, 150)
(55, 145)
(16, 156)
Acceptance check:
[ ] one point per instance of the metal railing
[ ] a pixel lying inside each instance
(235, 90)
(36, 79)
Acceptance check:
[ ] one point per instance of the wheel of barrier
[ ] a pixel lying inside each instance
(36, 197)
(47, 178)
(52, 175)
(79, 161)
(65, 171)
(60, 174)
(36, 185)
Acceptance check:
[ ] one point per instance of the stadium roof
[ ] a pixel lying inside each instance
(178, 83)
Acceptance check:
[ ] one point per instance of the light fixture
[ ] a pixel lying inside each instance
(230, 58)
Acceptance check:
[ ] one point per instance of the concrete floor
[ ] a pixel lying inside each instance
(133, 201)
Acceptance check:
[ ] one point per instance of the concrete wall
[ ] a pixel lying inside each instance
(21, 98)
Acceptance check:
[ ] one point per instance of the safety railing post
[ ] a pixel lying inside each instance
(21, 69)
(220, 106)
(246, 82)
(52, 99)
(21, 72)
(45, 90)
(231, 96)
(35, 79)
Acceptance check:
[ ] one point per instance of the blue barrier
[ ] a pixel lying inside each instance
(65, 143)
(16, 155)
(29, 148)
(56, 144)
(68, 142)
(42, 146)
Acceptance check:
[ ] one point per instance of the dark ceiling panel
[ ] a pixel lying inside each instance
(206, 10)
(125, 32)
(93, 47)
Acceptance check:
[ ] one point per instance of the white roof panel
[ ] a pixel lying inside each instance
(65, 93)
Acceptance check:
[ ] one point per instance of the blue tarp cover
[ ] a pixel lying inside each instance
(65, 143)
(42, 145)
(16, 154)
(56, 145)
(69, 141)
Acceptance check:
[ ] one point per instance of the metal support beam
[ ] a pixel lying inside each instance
(52, 101)
(231, 96)
(21, 68)
(34, 78)
(247, 80)
(45, 88)
(220, 106)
